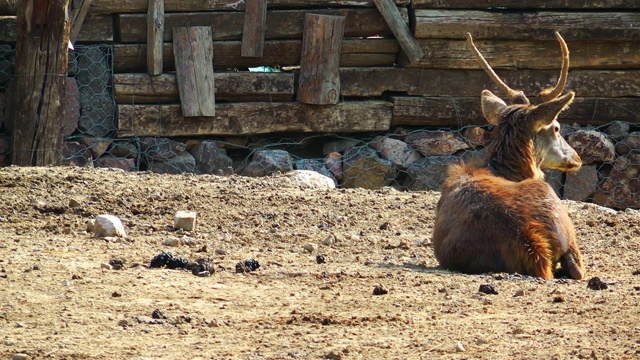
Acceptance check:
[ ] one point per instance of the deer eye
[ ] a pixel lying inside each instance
(557, 129)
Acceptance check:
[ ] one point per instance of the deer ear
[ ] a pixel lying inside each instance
(491, 106)
(544, 114)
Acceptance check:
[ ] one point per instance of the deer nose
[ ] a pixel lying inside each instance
(574, 162)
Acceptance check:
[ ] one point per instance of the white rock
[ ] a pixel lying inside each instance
(106, 266)
(329, 240)
(108, 225)
(185, 220)
(171, 241)
(459, 347)
(310, 179)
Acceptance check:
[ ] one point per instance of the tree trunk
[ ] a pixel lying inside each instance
(40, 75)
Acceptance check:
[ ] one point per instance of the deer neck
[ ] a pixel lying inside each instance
(512, 157)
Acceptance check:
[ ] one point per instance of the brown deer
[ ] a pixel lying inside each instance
(502, 216)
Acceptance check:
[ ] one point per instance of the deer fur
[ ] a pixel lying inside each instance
(502, 216)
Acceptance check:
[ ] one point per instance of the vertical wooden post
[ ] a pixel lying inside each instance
(320, 59)
(41, 72)
(255, 19)
(155, 34)
(193, 51)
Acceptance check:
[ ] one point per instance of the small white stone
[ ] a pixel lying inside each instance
(189, 241)
(329, 240)
(171, 241)
(66, 283)
(185, 220)
(108, 225)
(310, 248)
(460, 347)
(106, 266)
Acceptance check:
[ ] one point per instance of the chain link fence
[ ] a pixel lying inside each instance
(409, 159)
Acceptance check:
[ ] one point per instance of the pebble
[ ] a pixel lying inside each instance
(66, 283)
(329, 240)
(204, 274)
(221, 252)
(460, 347)
(171, 241)
(108, 225)
(310, 248)
(380, 290)
(518, 293)
(488, 289)
(596, 284)
(20, 356)
(105, 266)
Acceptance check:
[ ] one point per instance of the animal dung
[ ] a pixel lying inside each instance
(108, 225)
(488, 289)
(596, 284)
(185, 220)
(380, 290)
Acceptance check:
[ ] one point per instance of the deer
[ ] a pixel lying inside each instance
(500, 215)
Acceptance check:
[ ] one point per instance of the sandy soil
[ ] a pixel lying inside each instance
(58, 302)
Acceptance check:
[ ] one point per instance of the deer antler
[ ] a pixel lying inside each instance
(552, 93)
(514, 94)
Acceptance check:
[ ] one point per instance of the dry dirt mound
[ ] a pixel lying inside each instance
(59, 298)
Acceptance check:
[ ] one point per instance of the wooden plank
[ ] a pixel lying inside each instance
(255, 118)
(454, 24)
(400, 29)
(230, 86)
(138, 6)
(516, 54)
(155, 31)
(355, 52)
(460, 111)
(96, 29)
(525, 5)
(371, 82)
(78, 15)
(255, 18)
(281, 24)
(193, 51)
(320, 59)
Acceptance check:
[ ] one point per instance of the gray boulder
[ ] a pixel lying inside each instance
(401, 154)
(428, 173)
(592, 146)
(179, 164)
(363, 168)
(210, 159)
(267, 162)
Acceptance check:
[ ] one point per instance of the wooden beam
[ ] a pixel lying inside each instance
(139, 6)
(281, 24)
(96, 29)
(155, 31)
(320, 59)
(78, 15)
(230, 86)
(454, 24)
(400, 30)
(255, 118)
(460, 111)
(525, 5)
(193, 51)
(255, 18)
(355, 52)
(525, 54)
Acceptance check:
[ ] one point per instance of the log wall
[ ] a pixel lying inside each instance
(441, 90)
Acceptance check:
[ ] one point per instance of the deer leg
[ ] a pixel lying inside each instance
(571, 262)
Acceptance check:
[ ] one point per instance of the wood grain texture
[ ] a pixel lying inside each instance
(155, 31)
(525, 5)
(255, 18)
(400, 29)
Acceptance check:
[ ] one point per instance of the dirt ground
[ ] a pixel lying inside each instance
(57, 301)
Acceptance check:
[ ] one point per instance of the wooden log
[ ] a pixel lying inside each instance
(78, 16)
(155, 31)
(320, 59)
(454, 24)
(138, 6)
(525, 5)
(461, 111)
(96, 29)
(255, 118)
(371, 82)
(193, 51)
(516, 54)
(230, 86)
(41, 72)
(255, 18)
(400, 29)
(355, 52)
(281, 24)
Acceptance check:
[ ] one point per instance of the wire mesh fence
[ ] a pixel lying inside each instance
(409, 159)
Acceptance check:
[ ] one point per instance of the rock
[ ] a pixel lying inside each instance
(310, 248)
(108, 225)
(20, 356)
(592, 146)
(94, 76)
(320, 259)
(339, 146)
(333, 163)
(185, 220)
(362, 167)
(460, 347)
(311, 179)
(76, 154)
(267, 162)
(617, 129)
(580, 185)
(428, 173)
(475, 136)
(179, 164)
(438, 142)
(554, 179)
(488, 289)
(596, 284)
(171, 241)
(125, 149)
(317, 166)
(210, 159)
(630, 143)
(160, 149)
(621, 188)
(380, 290)
(71, 107)
(519, 293)
(110, 161)
(398, 152)
(97, 146)
(105, 266)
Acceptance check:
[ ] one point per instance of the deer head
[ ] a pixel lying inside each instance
(527, 137)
